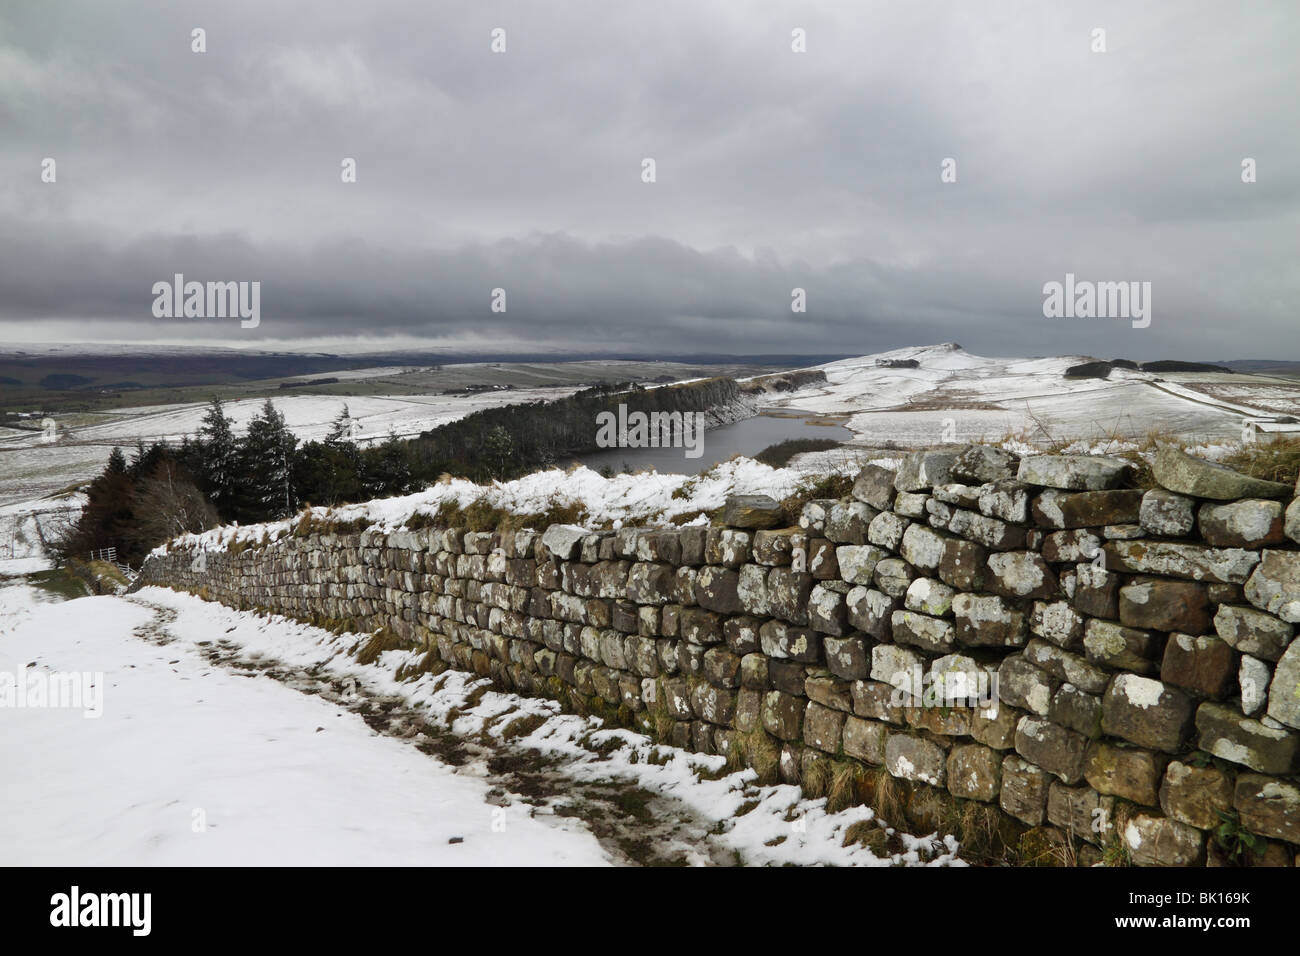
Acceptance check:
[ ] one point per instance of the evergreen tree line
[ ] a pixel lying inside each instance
(265, 474)
(513, 440)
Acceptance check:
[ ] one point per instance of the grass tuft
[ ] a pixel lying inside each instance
(1275, 460)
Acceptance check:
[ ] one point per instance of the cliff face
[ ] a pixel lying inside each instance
(735, 410)
(1027, 653)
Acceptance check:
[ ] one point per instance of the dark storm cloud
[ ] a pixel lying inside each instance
(775, 170)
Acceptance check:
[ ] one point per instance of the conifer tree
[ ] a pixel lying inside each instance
(342, 428)
(266, 457)
(218, 456)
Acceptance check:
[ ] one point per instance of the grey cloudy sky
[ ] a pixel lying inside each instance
(522, 170)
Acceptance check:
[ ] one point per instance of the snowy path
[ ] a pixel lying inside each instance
(297, 754)
(282, 778)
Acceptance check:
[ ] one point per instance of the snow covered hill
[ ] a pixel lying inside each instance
(952, 395)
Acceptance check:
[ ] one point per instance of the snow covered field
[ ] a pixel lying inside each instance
(32, 466)
(952, 396)
(26, 525)
(227, 719)
(955, 396)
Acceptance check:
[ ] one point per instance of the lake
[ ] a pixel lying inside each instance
(748, 437)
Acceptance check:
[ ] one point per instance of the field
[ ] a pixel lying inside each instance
(954, 396)
(401, 401)
(64, 382)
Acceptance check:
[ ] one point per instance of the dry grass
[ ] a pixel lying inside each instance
(522, 726)
(978, 827)
(309, 523)
(849, 786)
(375, 645)
(1045, 846)
(816, 777)
(762, 753)
(430, 663)
(479, 515)
(822, 486)
(1067, 852)
(870, 834)
(661, 716)
(889, 796)
(1275, 460)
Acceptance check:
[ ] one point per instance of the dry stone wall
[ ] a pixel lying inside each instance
(1027, 653)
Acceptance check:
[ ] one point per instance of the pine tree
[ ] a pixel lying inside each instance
(266, 456)
(342, 427)
(386, 468)
(327, 474)
(498, 450)
(217, 454)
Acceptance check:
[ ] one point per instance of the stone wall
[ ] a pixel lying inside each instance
(1140, 643)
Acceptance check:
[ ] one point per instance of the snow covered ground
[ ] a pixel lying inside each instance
(275, 776)
(26, 525)
(955, 396)
(33, 466)
(310, 416)
(229, 719)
